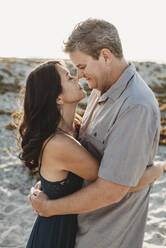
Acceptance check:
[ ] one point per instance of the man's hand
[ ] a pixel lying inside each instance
(38, 199)
(37, 185)
(39, 202)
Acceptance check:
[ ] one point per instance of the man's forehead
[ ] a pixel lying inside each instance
(78, 58)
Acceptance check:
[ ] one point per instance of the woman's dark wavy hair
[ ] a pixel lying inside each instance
(40, 115)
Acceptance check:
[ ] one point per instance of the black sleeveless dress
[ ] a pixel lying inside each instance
(58, 231)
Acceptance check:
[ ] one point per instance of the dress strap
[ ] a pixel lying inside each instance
(57, 129)
(62, 131)
(43, 150)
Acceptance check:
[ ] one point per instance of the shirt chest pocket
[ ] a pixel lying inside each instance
(96, 139)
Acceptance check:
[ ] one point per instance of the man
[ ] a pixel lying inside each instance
(121, 126)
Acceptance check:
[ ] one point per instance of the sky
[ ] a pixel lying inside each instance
(37, 28)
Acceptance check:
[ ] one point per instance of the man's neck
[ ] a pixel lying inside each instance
(116, 71)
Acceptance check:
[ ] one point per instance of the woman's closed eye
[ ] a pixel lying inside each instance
(69, 77)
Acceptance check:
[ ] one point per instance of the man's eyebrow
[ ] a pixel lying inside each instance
(80, 65)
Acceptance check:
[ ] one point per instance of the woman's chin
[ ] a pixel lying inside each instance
(84, 94)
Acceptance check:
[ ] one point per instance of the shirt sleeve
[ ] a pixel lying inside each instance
(128, 146)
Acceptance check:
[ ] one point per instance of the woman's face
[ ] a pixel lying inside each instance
(72, 91)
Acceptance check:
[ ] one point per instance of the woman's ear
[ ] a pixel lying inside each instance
(59, 100)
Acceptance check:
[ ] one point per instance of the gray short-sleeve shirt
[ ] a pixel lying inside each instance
(120, 128)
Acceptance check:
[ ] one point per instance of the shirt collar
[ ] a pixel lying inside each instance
(119, 86)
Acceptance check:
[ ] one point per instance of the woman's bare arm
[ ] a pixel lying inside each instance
(71, 156)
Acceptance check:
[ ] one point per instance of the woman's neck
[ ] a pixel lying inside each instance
(66, 122)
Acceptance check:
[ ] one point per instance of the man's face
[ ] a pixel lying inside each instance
(92, 70)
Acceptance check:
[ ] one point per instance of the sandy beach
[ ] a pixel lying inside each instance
(16, 215)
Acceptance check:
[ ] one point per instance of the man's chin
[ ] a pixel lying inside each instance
(90, 84)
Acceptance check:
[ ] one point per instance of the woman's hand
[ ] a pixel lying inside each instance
(78, 118)
(157, 170)
(150, 175)
(164, 165)
(76, 125)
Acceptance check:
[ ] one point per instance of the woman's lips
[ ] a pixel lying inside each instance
(80, 86)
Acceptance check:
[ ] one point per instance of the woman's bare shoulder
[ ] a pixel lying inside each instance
(70, 155)
(63, 144)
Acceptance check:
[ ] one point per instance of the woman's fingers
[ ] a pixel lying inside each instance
(164, 166)
(159, 169)
(78, 117)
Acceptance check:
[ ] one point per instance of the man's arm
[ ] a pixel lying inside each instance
(96, 195)
(150, 175)
(99, 194)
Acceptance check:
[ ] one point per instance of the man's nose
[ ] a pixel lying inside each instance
(80, 74)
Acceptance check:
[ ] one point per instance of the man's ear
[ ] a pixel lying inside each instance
(59, 100)
(106, 54)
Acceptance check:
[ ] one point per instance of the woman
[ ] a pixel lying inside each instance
(46, 129)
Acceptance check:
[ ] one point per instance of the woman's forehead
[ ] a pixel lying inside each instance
(62, 69)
